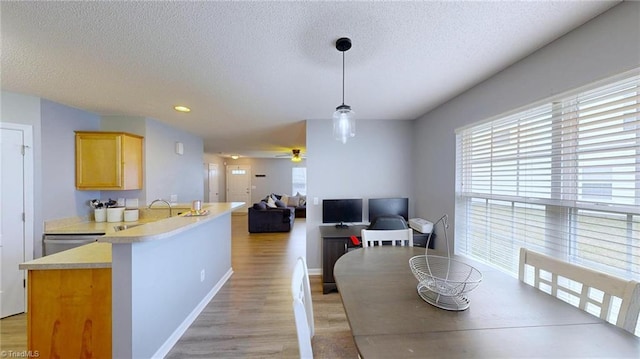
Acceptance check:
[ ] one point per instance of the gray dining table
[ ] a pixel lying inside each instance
(506, 318)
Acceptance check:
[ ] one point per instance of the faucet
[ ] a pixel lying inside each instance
(161, 200)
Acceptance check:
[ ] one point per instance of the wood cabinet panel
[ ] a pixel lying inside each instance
(69, 313)
(132, 162)
(108, 161)
(332, 249)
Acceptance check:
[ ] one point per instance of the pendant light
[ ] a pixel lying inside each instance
(344, 123)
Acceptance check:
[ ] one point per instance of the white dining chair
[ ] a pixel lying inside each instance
(302, 307)
(402, 237)
(611, 298)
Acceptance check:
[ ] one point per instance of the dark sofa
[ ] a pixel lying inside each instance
(265, 219)
(299, 202)
(301, 211)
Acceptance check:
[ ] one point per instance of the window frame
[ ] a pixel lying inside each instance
(566, 199)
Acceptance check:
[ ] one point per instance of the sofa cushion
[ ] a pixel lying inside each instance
(272, 196)
(293, 201)
(285, 199)
(280, 204)
(302, 200)
(260, 205)
(271, 203)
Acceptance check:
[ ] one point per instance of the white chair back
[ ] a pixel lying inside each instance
(402, 237)
(590, 290)
(302, 307)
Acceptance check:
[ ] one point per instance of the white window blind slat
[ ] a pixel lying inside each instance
(562, 177)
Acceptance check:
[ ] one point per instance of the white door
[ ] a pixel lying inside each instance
(16, 214)
(239, 184)
(214, 195)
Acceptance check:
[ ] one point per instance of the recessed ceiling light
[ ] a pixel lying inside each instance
(182, 108)
(235, 157)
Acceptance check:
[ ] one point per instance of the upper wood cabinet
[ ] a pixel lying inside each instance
(108, 161)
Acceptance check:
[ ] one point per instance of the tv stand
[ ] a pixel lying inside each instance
(336, 241)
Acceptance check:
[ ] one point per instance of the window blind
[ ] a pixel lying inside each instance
(561, 177)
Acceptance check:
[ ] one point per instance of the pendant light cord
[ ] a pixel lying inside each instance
(343, 78)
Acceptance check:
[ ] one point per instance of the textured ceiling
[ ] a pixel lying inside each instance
(252, 72)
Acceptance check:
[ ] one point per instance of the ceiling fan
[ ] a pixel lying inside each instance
(295, 155)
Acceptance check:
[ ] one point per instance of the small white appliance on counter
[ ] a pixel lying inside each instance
(421, 225)
(131, 215)
(100, 214)
(54, 243)
(115, 214)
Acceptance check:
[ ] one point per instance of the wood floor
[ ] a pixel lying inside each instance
(251, 316)
(13, 334)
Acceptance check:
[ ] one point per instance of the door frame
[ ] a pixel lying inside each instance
(27, 196)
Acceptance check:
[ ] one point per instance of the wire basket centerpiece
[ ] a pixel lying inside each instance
(442, 281)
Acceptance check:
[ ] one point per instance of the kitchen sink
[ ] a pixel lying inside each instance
(122, 227)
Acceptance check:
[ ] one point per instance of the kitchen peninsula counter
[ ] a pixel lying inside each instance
(92, 255)
(78, 225)
(112, 290)
(168, 227)
(174, 266)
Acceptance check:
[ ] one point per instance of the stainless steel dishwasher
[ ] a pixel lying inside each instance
(54, 243)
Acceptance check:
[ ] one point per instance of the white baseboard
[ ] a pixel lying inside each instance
(315, 271)
(186, 323)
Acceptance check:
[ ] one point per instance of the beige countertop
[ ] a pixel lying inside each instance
(98, 254)
(170, 226)
(89, 227)
(92, 227)
(92, 255)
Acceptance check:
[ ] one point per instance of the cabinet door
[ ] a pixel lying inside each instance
(132, 162)
(108, 161)
(332, 249)
(69, 313)
(98, 160)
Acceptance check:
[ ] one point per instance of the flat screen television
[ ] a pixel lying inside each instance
(341, 211)
(386, 206)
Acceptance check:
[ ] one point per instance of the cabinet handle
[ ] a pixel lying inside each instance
(345, 247)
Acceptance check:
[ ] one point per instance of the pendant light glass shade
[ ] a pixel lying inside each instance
(344, 119)
(344, 123)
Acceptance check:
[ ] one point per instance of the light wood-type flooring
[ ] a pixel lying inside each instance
(13, 335)
(251, 316)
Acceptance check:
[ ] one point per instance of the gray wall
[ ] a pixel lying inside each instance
(277, 173)
(165, 171)
(606, 46)
(375, 163)
(60, 199)
(215, 159)
(277, 178)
